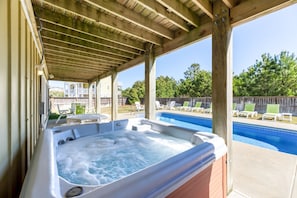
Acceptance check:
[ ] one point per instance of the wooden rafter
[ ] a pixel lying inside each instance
(252, 9)
(61, 39)
(133, 17)
(71, 68)
(81, 54)
(205, 6)
(78, 60)
(63, 45)
(179, 9)
(77, 64)
(230, 3)
(101, 18)
(87, 42)
(92, 30)
(162, 11)
(75, 34)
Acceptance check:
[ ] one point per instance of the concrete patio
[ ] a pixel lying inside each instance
(259, 172)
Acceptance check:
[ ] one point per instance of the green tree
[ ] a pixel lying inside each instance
(271, 76)
(126, 92)
(55, 93)
(131, 95)
(165, 87)
(197, 82)
(140, 88)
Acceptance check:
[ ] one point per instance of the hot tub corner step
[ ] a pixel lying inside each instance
(143, 127)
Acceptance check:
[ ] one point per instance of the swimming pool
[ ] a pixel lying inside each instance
(277, 139)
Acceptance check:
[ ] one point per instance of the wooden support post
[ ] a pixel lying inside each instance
(114, 96)
(90, 100)
(222, 97)
(98, 96)
(150, 82)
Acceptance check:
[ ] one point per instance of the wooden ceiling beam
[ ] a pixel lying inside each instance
(69, 79)
(78, 60)
(67, 44)
(84, 43)
(78, 63)
(181, 10)
(160, 10)
(65, 67)
(252, 9)
(91, 14)
(71, 33)
(72, 71)
(79, 55)
(205, 6)
(122, 12)
(75, 65)
(70, 47)
(75, 53)
(64, 75)
(230, 3)
(92, 30)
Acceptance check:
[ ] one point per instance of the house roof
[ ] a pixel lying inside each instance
(83, 40)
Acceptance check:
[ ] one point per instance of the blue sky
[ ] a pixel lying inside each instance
(271, 34)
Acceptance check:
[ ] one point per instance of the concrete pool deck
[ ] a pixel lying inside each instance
(258, 172)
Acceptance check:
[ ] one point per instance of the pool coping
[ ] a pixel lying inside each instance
(260, 172)
(267, 123)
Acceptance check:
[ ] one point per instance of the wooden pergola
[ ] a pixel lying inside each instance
(87, 40)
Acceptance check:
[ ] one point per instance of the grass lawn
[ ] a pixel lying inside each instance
(122, 109)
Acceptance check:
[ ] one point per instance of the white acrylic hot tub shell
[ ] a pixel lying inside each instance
(159, 180)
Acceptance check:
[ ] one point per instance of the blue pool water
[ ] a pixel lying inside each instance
(267, 137)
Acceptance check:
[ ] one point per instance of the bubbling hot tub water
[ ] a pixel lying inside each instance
(104, 158)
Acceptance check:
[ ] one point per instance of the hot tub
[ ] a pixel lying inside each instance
(199, 171)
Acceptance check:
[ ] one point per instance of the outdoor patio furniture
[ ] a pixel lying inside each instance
(63, 111)
(249, 110)
(272, 111)
(286, 116)
(235, 111)
(158, 105)
(138, 106)
(185, 106)
(170, 105)
(208, 110)
(197, 107)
